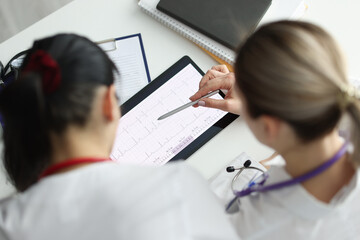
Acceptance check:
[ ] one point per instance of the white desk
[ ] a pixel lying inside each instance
(114, 18)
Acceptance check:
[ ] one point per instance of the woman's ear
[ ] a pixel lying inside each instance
(110, 103)
(271, 129)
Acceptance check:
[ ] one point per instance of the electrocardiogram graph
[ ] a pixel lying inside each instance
(143, 140)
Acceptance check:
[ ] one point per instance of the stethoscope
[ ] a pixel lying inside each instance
(258, 187)
(247, 165)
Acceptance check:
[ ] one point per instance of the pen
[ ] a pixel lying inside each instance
(187, 105)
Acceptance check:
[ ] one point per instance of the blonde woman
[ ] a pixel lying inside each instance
(290, 86)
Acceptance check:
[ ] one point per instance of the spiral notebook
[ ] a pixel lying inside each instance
(233, 21)
(279, 9)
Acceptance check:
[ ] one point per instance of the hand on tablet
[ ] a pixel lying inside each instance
(219, 77)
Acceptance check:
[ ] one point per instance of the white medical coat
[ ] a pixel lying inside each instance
(292, 212)
(111, 201)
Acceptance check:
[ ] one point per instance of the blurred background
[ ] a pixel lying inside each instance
(16, 15)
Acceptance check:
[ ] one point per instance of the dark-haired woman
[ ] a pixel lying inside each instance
(291, 88)
(60, 120)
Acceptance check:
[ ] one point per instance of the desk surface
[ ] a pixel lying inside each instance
(113, 18)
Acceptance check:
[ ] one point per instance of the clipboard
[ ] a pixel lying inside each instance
(143, 140)
(129, 57)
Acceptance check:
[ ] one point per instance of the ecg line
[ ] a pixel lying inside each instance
(143, 140)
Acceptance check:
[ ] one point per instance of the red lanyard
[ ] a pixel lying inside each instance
(69, 163)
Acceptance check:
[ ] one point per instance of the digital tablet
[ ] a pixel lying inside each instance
(141, 139)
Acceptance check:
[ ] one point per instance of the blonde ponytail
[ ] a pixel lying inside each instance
(352, 108)
(295, 71)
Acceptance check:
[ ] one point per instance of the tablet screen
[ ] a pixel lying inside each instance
(141, 139)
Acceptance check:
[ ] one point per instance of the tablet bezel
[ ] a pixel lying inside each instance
(158, 82)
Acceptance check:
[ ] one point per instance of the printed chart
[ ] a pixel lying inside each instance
(143, 140)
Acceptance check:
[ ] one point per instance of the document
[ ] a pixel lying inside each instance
(129, 57)
(141, 139)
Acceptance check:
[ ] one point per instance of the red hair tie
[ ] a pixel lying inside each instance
(47, 67)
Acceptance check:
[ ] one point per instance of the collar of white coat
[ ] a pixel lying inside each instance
(297, 200)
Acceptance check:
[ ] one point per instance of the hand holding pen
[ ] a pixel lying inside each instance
(176, 110)
(219, 77)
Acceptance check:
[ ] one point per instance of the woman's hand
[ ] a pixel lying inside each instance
(219, 77)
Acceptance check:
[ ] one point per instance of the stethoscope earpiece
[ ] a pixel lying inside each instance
(230, 169)
(247, 163)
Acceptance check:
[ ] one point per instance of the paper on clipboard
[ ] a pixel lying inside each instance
(129, 57)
